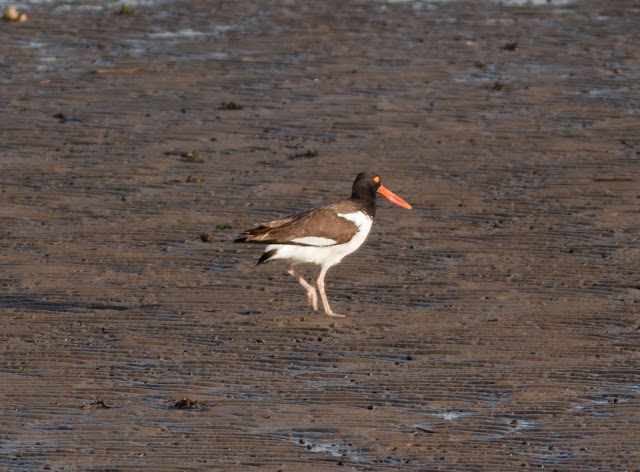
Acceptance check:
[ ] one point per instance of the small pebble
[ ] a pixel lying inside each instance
(11, 14)
(186, 403)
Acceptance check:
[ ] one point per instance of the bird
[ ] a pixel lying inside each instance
(322, 236)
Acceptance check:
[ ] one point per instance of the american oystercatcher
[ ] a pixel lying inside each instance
(323, 235)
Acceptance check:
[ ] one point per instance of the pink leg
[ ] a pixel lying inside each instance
(312, 296)
(323, 295)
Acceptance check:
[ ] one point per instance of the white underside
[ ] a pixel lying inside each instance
(318, 252)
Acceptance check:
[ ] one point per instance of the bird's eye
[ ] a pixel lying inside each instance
(376, 179)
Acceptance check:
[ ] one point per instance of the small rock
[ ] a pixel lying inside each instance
(194, 180)
(190, 156)
(11, 14)
(310, 153)
(185, 403)
(98, 404)
(230, 106)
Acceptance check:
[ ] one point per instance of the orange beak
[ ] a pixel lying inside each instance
(392, 197)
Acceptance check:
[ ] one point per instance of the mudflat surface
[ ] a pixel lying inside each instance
(493, 327)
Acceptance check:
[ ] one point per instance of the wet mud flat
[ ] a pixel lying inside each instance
(493, 327)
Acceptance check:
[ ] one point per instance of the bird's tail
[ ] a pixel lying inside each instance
(266, 256)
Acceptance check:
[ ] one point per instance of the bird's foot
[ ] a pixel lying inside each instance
(330, 313)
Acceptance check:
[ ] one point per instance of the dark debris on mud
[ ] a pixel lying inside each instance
(187, 404)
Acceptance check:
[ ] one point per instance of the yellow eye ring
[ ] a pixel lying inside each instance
(376, 179)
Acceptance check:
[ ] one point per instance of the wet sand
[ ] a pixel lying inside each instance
(493, 327)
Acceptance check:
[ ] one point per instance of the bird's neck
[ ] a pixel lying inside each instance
(367, 204)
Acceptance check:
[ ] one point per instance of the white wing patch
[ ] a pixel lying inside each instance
(314, 241)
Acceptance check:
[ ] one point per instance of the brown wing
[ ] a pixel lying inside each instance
(322, 222)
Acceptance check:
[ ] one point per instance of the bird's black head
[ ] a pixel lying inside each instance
(365, 187)
(364, 190)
